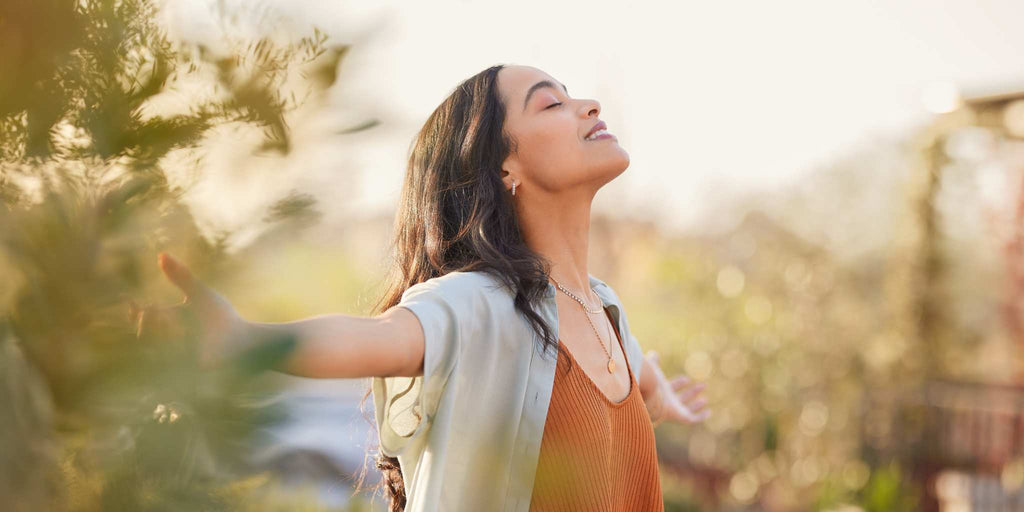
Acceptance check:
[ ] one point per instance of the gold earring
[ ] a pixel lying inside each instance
(513, 188)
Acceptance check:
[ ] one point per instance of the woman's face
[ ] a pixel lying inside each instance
(553, 154)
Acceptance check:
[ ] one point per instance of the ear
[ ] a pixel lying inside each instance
(508, 178)
(510, 172)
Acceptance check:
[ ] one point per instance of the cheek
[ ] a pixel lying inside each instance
(555, 160)
(555, 146)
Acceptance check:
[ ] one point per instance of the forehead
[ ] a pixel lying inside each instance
(513, 81)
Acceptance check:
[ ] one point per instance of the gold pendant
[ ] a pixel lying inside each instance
(611, 366)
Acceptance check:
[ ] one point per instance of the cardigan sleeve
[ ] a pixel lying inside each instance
(406, 406)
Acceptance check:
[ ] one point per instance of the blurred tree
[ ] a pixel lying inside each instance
(95, 415)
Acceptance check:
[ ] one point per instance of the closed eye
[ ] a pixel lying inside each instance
(552, 105)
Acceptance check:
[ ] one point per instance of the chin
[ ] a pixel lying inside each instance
(623, 162)
(615, 167)
(609, 166)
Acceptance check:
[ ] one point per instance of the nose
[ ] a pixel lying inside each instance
(593, 107)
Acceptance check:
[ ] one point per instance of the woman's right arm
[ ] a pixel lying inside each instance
(327, 346)
(346, 346)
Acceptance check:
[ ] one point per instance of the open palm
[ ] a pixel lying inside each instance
(681, 400)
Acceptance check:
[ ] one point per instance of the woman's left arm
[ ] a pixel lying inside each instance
(677, 399)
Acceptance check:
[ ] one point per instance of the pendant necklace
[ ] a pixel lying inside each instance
(611, 363)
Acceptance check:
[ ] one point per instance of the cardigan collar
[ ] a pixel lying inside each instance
(607, 296)
(599, 286)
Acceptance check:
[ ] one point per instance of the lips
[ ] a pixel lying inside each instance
(599, 126)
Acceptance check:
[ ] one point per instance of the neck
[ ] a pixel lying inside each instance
(558, 229)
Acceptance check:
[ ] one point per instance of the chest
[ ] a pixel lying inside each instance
(591, 340)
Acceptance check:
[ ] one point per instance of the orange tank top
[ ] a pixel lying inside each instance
(595, 454)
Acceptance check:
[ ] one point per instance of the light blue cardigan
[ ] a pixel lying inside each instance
(483, 395)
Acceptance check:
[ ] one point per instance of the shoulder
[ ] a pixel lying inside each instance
(604, 290)
(461, 286)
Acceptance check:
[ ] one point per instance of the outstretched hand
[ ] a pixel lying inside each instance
(679, 397)
(219, 326)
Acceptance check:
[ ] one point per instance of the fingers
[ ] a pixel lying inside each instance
(688, 394)
(143, 319)
(695, 412)
(153, 321)
(685, 387)
(679, 381)
(687, 391)
(178, 274)
(699, 416)
(698, 404)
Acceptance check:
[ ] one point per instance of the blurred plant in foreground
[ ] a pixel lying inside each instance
(100, 410)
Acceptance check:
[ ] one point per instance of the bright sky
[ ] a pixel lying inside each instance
(708, 98)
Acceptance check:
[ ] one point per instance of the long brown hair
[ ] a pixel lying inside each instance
(455, 214)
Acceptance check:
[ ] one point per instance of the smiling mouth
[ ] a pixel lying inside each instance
(600, 135)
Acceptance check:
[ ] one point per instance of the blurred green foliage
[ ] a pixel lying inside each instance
(96, 415)
(888, 491)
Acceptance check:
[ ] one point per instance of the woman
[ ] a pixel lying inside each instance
(504, 375)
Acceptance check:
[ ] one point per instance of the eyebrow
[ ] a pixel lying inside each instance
(538, 85)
